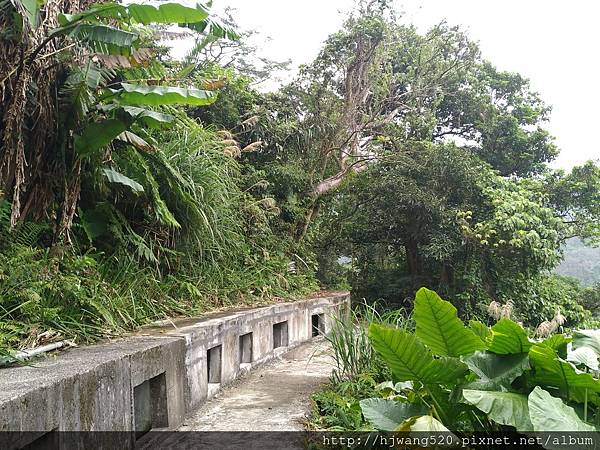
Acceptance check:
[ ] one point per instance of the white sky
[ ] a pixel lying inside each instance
(554, 43)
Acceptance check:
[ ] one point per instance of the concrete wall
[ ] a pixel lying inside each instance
(94, 388)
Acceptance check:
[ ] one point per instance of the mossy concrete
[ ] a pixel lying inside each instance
(92, 388)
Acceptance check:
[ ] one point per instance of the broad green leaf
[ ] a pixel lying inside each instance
(137, 94)
(153, 119)
(94, 222)
(409, 359)
(508, 337)
(505, 408)
(439, 327)
(427, 424)
(583, 355)
(117, 177)
(497, 370)
(550, 414)
(587, 338)
(97, 135)
(557, 342)
(167, 13)
(32, 9)
(136, 141)
(104, 38)
(553, 372)
(480, 329)
(387, 415)
(404, 354)
(446, 369)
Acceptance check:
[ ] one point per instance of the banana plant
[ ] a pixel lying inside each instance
(98, 82)
(476, 378)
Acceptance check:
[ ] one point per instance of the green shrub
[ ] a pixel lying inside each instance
(475, 378)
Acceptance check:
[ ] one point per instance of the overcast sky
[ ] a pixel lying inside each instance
(553, 43)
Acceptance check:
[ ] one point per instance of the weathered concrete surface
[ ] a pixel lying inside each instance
(93, 388)
(274, 397)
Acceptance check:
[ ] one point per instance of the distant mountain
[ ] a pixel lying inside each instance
(580, 262)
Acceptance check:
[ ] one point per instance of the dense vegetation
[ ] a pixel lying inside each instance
(117, 205)
(441, 375)
(136, 187)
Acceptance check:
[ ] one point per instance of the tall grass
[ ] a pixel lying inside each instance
(351, 349)
(131, 267)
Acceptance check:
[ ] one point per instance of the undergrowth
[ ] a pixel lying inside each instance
(194, 240)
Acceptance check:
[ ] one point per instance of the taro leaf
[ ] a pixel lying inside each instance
(551, 371)
(404, 354)
(427, 424)
(387, 415)
(587, 338)
(137, 94)
(550, 414)
(117, 177)
(446, 370)
(583, 355)
(480, 329)
(505, 408)
(409, 359)
(508, 337)
(557, 342)
(97, 135)
(497, 370)
(439, 327)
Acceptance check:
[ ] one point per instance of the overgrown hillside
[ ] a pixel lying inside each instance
(117, 207)
(136, 187)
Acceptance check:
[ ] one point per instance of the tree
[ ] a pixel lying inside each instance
(379, 87)
(72, 83)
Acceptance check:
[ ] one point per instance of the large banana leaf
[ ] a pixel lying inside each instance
(97, 135)
(409, 359)
(117, 177)
(439, 327)
(556, 373)
(505, 408)
(153, 119)
(497, 371)
(105, 39)
(137, 94)
(167, 13)
(550, 414)
(387, 415)
(508, 337)
(136, 141)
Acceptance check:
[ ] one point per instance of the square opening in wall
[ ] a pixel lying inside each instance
(318, 324)
(150, 405)
(280, 334)
(246, 348)
(213, 357)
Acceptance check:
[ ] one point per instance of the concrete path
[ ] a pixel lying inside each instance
(273, 397)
